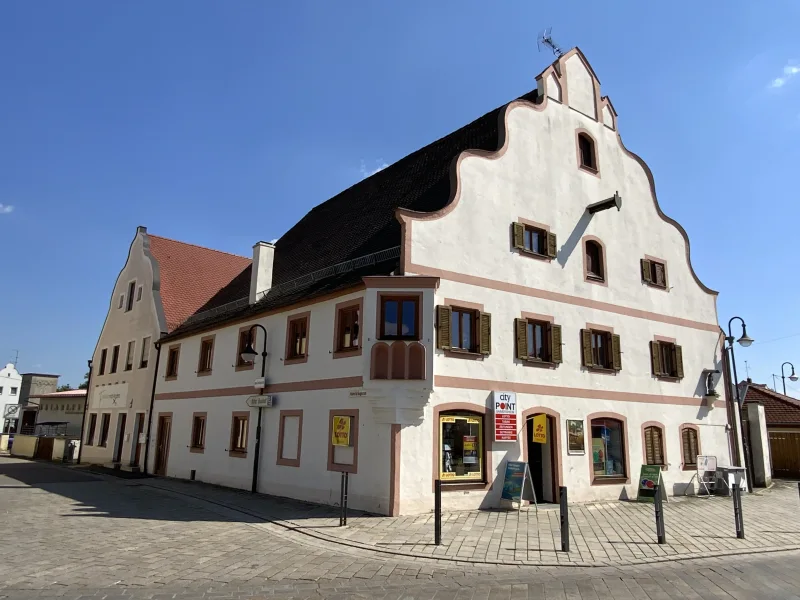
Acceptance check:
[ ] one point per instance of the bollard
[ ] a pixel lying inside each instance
(737, 511)
(564, 519)
(660, 532)
(346, 485)
(343, 500)
(437, 510)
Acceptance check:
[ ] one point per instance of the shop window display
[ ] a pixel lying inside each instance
(461, 447)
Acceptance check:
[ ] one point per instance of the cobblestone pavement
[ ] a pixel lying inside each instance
(72, 534)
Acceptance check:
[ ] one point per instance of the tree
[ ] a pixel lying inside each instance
(64, 388)
(85, 384)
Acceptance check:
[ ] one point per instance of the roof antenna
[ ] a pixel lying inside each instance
(747, 368)
(546, 40)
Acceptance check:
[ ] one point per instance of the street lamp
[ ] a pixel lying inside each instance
(249, 355)
(792, 377)
(744, 341)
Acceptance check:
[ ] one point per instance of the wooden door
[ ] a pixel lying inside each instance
(120, 441)
(785, 449)
(162, 443)
(138, 431)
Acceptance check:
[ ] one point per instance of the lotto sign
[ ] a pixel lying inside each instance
(540, 429)
(341, 431)
(505, 416)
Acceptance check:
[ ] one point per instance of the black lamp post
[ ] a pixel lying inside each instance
(745, 341)
(249, 355)
(792, 377)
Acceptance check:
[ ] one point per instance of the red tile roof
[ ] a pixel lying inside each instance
(192, 276)
(779, 409)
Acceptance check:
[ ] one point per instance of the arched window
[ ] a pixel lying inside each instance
(586, 152)
(654, 445)
(594, 261)
(608, 449)
(690, 444)
(460, 446)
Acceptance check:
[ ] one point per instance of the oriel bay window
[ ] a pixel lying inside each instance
(601, 350)
(608, 450)
(464, 330)
(538, 340)
(399, 317)
(460, 447)
(534, 240)
(667, 359)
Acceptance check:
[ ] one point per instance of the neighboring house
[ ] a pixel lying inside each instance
(10, 385)
(520, 264)
(34, 384)
(162, 283)
(782, 416)
(61, 411)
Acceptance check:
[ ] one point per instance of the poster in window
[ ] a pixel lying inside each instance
(470, 449)
(340, 436)
(575, 436)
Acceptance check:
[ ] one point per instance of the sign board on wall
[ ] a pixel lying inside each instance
(340, 436)
(540, 429)
(649, 478)
(505, 416)
(11, 411)
(111, 396)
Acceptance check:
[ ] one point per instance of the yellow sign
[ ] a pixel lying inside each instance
(540, 429)
(341, 431)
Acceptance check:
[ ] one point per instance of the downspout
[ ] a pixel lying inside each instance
(85, 408)
(157, 344)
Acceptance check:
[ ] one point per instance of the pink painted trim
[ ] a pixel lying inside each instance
(596, 327)
(347, 412)
(586, 169)
(273, 388)
(537, 317)
(541, 226)
(660, 425)
(359, 302)
(488, 440)
(289, 320)
(289, 462)
(586, 277)
(373, 361)
(394, 282)
(661, 338)
(623, 479)
(394, 471)
(556, 416)
(463, 304)
(684, 426)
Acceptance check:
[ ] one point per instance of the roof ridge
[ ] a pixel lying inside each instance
(161, 237)
(777, 395)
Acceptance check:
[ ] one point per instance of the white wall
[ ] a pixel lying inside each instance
(9, 377)
(69, 410)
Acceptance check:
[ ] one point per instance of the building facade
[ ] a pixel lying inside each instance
(10, 384)
(61, 411)
(519, 266)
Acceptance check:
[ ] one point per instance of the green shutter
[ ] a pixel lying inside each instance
(519, 235)
(678, 362)
(586, 346)
(655, 356)
(521, 327)
(443, 314)
(552, 246)
(555, 343)
(485, 333)
(616, 352)
(647, 275)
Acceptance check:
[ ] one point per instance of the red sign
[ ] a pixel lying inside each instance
(505, 417)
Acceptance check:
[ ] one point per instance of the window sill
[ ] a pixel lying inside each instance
(143, 366)
(237, 453)
(288, 462)
(668, 378)
(597, 280)
(129, 368)
(467, 354)
(397, 339)
(245, 367)
(347, 352)
(537, 255)
(544, 364)
(601, 370)
(170, 378)
(656, 286)
(102, 445)
(204, 373)
(197, 450)
(463, 486)
(610, 480)
(343, 468)
(588, 169)
(685, 467)
(296, 360)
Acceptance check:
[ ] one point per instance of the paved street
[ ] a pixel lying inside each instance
(69, 533)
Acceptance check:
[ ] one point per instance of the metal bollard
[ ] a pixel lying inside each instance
(343, 500)
(437, 512)
(562, 491)
(737, 511)
(660, 531)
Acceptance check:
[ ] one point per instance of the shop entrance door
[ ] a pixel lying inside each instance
(162, 444)
(542, 461)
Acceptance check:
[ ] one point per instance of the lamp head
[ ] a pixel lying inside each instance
(249, 353)
(793, 377)
(745, 340)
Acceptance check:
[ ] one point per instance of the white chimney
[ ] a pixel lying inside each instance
(261, 275)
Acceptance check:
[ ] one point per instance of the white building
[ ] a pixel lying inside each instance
(60, 413)
(10, 384)
(523, 257)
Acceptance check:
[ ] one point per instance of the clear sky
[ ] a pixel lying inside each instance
(222, 123)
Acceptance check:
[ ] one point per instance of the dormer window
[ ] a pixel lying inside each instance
(586, 153)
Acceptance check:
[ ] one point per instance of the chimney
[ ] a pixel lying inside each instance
(261, 275)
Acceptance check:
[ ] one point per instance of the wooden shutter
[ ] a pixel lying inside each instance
(586, 347)
(616, 352)
(661, 275)
(655, 356)
(648, 446)
(443, 314)
(552, 246)
(647, 275)
(658, 446)
(689, 446)
(678, 362)
(555, 343)
(519, 235)
(521, 327)
(485, 333)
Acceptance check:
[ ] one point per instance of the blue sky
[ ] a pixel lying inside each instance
(222, 123)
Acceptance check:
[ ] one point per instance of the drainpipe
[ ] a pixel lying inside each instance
(157, 344)
(85, 408)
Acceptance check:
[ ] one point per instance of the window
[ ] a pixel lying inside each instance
(343, 440)
(13, 391)
(460, 447)
(588, 159)
(129, 356)
(654, 272)
(538, 341)
(103, 356)
(654, 446)
(399, 318)
(206, 355)
(139, 294)
(172, 362)
(690, 445)
(534, 240)
(290, 433)
(114, 359)
(347, 334)
(198, 431)
(145, 353)
(594, 261)
(246, 336)
(1, 389)
(105, 421)
(601, 350)
(464, 329)
(667, 359)
(92, 428)
(239, 425)
(297, 344)
(121, 300)
(608, 449)
(131, 290)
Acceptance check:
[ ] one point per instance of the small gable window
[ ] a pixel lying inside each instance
(586, 153)
(535, 241)
(654, 272)
(594, 261)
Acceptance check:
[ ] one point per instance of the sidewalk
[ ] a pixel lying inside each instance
(602, 534)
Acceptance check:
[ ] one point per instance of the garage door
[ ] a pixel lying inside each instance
(785, 450)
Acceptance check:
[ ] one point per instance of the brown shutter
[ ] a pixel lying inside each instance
(658, 454)
(616, 352)
(689, 446)
(648, 446)
(486, 333)
(655, 356)
(552, 246)
(678, 362)
(519, 235)
(661, 277)
(555, 343)
(586, 347)
(647, 275)
(521, 327)
(444, 315)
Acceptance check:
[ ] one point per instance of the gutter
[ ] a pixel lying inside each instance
(85, 408)
(157, 344)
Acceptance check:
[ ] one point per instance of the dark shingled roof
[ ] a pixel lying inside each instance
(357, 222)
(778, 409)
